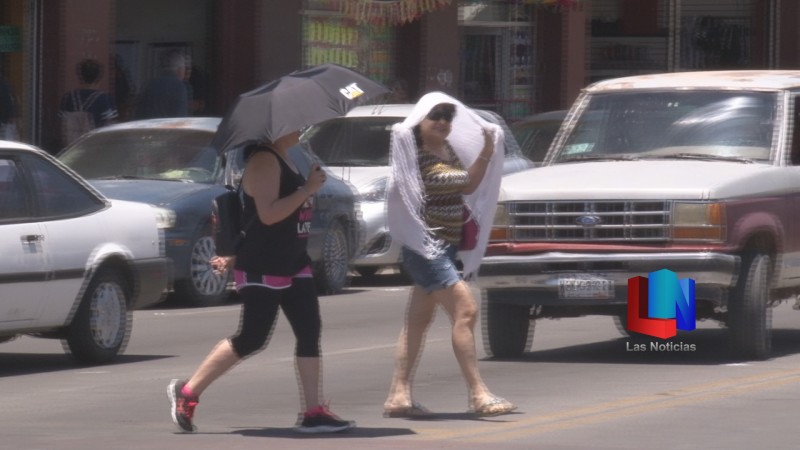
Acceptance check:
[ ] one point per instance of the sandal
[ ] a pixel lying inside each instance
(494, 407)
(408, 411)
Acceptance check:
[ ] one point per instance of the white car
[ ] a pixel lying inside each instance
(355, 148)
(74, 263)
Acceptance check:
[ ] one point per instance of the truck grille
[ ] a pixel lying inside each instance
(646, 221)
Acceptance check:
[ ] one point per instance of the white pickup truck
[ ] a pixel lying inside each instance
(697, 173)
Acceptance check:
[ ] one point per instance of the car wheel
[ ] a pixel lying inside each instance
(367, 271)
(749, 314)
(331, 272)
(508, 329)
(204, 287)
(100, 329)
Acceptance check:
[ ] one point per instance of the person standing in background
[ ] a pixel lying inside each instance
(87, 107)
(123, 86)
(8, 112)
(166, 95)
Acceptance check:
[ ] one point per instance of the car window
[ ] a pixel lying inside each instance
(352, 141)
(57, 194)
(165, 154)
(669, 124)
(510, 142)
(535, 138)
(13, 204)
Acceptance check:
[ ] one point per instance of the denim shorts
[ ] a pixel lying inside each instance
(432, 274)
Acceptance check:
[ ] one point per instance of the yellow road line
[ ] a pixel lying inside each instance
(607, 411)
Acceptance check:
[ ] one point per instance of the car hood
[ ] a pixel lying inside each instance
(660, 179)
(155, 192)
(360, 177)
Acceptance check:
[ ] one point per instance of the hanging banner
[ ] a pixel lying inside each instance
(389, 12)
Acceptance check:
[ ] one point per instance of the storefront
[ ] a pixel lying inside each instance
(498, 58)
(330, 36)
(15, 37)
(516, 57)
(634, 37)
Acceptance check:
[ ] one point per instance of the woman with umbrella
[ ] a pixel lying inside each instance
(279, 196)
(271, 266)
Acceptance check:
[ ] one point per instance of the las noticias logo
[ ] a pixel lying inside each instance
(658, 306)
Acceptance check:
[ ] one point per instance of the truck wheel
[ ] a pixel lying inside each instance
(100, 329)
(507, 329)
(749, 313)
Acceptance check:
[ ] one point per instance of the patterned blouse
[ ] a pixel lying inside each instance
(443, 183)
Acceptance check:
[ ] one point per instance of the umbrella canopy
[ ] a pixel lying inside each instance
(293, 102)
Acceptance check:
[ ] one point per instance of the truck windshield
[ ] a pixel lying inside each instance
(719, 124)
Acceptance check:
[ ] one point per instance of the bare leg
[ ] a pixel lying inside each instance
(308, 375)
(221, 358)
(419, 315)
(457, 300)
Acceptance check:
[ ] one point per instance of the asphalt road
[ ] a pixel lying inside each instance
(582, 387)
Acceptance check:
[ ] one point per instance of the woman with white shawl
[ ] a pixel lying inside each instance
(443, 157)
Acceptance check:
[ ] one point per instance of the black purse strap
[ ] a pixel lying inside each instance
(240, 194)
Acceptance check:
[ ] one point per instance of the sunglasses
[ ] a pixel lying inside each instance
(439, 115)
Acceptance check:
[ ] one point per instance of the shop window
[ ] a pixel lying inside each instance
(631, 37)
(497, 57)
(328, 37)
(628, 38)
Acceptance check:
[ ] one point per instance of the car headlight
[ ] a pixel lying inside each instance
(698, 221)
(374, 191)
(165, 218)
(500, 228)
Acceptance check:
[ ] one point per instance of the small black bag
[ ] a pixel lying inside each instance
(226, 221)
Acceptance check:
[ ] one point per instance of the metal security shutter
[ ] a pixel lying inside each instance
(723, 34)
(630, 37)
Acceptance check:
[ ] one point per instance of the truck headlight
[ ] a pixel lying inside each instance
(500, 228)
(698, 221)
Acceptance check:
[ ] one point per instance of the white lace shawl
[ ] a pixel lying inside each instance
(405, 197)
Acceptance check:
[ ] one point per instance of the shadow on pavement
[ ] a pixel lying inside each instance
(699, 347)
(358, 432)
(12, 364)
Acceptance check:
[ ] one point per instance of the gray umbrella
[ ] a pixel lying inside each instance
(293, 102)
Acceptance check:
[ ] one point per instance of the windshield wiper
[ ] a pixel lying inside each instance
(706, 157)
(134, 177)
(600, 158)
(120, 177)
(353, 163)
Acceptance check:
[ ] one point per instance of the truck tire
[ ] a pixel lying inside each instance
(749, 313)
(507, 329)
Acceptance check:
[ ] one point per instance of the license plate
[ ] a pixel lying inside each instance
(585, 287)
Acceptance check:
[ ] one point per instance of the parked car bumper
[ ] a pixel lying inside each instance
(537, 279)
(151, 282)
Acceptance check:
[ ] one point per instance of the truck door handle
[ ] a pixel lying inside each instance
(31, 238)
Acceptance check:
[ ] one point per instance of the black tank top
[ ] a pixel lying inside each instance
(280, 248)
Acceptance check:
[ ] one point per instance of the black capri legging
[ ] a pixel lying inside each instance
(260, 312)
